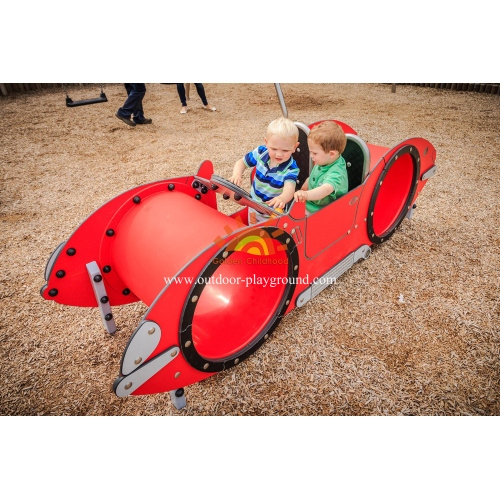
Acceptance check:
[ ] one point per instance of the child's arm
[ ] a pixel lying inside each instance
(238, 169)
(300, 195)
(286, 195)
(314, 194)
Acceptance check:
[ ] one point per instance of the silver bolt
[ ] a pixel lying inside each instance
(128, 386)
(177, 375)
(137, 361)
(348, 232)
(285, 224)
(195, 298)
(396, 157)
(356, 226)
(287, 302)
(225, 254)
(236, 361)
(205, 366)
(266, 336)
(151, 331)
(187, 344)
(296, 267)
(287, 241)
(173, 354)
(371, 214)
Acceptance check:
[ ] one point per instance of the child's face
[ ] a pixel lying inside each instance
(280, 148)
(319, 156)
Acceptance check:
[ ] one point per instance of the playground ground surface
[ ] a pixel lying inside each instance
(414, 330)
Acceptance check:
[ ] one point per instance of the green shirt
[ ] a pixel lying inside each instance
(334, 174)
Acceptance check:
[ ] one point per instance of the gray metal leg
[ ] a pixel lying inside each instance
(178, 398)
(409, 215)
(101, 296)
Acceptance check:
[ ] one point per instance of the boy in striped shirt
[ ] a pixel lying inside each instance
(276, 171)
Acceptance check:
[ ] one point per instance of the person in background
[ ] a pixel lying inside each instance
(133, 105)
(201, 92)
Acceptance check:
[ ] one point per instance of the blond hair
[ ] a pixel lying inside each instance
(283, 127)
(329, 136)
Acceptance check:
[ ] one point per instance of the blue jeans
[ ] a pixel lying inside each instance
(133, 104)
(199, 88)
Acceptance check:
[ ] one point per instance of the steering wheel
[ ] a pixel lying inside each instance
(228, 188)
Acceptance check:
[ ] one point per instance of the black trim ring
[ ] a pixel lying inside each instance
(186, 343)
(415, 156)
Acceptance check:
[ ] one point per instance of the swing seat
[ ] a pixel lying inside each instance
(71, 104)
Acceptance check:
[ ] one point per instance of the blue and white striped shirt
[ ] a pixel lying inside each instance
(269, 182)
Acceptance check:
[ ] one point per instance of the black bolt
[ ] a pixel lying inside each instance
(204, 190)
(126, 291)
(71, 252)
(415, 205)
(198, 196)
(171, 187)
(225, 196)
(110, 232)
(106, 269)
(179, 392)
(97, 278)
(237, 197)
(196, 184)
(137, 200)
(61, 274)
(104, 300)
(215, 187)
(53, 292)
(108, 317)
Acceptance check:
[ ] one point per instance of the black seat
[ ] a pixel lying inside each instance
(301, 155)
(357, 159)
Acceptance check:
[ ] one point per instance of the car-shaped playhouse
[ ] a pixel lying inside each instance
(217, 287)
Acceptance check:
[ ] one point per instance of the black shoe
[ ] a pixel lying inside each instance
(146, 121)
(128, 121)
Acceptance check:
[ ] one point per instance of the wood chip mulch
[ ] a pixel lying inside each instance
(414, 330)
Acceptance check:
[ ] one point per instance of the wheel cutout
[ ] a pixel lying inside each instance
(393, 193)
(238, 299)
(217, 331)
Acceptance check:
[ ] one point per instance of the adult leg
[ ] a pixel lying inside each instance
(201, 92)
(133, 104)
(140, 88)
(182, 93)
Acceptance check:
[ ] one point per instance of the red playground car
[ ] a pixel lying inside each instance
(216, 287)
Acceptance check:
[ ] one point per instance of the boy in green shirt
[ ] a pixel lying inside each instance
(328, 179)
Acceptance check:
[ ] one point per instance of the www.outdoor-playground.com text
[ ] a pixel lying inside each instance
(250, 280)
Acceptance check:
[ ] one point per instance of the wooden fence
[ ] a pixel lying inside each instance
(20, 88)
(488, 88)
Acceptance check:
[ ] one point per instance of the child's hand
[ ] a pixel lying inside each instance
(236, 179)
(300, 196)
(277, 202)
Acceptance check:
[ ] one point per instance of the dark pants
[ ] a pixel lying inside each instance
(133, 104)
(199, 88)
